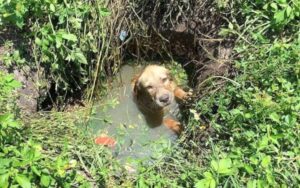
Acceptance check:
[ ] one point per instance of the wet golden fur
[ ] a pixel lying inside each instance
(153, 90)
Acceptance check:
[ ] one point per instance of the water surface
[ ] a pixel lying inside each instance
(119, 117)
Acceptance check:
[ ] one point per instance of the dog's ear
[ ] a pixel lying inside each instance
(135, 84)
(135, 88)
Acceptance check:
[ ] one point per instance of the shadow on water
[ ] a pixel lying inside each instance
(119, 117)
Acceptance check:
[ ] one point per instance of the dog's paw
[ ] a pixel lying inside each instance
(181, 94)
(174, 125)
(189, 93)
(187, 96)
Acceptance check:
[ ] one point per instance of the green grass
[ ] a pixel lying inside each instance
(59, 37)
(255, 138)
(257, 124)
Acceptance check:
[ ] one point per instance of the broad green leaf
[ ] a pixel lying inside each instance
(213, 183)
(275, 117)
(23, 181)
(15, 124)
(279, 16)
(288, 11)
(141, 182)
(263, 142)
(251, 184)
(281, 1)
(208, 175)
(248, 168)
(5, 162)
(266, 161)
(204, 183)
(224, 166)
(58, 40)
(52, 7)
(274, 6)
(270, 178)
(11, 82)
(207, 182)
(54, 66)
(20, 22)
(80, 58)
(69, 36)
(45, 180)
(38, 41)
(35, 170)
(5, 117)
(4, 180)
(262, 183)
(15, 84)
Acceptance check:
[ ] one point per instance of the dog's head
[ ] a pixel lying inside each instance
(154, 87)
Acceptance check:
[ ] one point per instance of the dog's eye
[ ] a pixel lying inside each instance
(149, 87)
(164, 79)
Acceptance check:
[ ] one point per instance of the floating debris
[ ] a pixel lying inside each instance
(105, 141)
(123, 35)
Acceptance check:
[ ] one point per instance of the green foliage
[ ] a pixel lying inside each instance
(262, 18)
(21, 160)
(263, 126)
(8, 125)
(178, 73)
(68, 39)
(258, 122)
(10, 58)
(7, 86)
(278, 14)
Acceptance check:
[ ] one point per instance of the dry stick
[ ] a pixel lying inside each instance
(210, 39)
(98, 59)
(84, 167)
(212, 91)
(145, 24)
(155, 30)
(225, 78)
(210, 56)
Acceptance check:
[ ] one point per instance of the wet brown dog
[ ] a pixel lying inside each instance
(154, 92)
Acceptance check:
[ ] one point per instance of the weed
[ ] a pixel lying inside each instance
(68, 41)
(256, 119)
(257, 123)
(22, 161)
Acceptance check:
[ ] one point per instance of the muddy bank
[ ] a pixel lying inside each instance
(13, 61)
(187, 31)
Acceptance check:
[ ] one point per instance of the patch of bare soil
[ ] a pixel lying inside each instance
(10, 40)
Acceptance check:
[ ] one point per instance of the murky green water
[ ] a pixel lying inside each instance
(120, 118)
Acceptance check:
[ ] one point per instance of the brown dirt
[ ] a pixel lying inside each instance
(29, 94)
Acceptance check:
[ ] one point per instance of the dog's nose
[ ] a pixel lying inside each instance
(164, 98)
